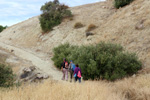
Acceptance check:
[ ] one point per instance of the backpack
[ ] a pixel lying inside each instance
(79, 74)
(66, 64)
(73, 67)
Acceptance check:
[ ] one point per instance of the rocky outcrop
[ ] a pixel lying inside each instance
(32, 74)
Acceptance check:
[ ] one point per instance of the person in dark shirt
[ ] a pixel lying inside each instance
(64, 68)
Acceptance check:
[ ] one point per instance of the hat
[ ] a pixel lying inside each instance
(70, 60)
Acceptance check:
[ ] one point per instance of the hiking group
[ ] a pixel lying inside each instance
(73, 69)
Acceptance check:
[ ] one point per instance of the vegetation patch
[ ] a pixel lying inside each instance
(91, 27)
(6, 76)
(78, 25)
(53, 13)
(121, 3)
(100, 61)
(2, 28)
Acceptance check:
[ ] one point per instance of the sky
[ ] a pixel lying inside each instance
(15, 11)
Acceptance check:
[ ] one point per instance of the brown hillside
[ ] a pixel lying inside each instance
(128, 26)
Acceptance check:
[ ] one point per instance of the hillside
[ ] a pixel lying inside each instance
(117, 26)
(24, 45)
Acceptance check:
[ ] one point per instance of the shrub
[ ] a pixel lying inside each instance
(2, 28)
(78, 25)
(90, 27)
(101, 61)
(121, 3)
(53, 13)
(6, 76)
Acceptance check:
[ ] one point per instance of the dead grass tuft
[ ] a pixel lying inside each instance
(91, 27)
(78, 25)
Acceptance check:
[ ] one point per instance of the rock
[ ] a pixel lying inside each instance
(134, 76)
(133, 13)
(45, 76)
(39, 76)
(42, 76)
(12, 50)
(32, 74)
(23, 75)
(38, 50)
(26, 73)
(104, 7)
(112, 8)
(32, 68)
(139, 27)
(89, 33)
(27, 70)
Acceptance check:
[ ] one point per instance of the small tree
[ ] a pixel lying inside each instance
(53, 13)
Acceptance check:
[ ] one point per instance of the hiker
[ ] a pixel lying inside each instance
(71, 69)
(67, 69)
(77, 73)
(64, 68)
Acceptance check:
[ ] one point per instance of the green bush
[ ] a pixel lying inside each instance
(101, 61)
(6, 76)
(121, 3)
(2, 28)
(53, 13)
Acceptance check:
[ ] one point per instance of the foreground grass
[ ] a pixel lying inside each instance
(137, 88)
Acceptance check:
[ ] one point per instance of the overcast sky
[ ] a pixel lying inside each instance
(14, 11)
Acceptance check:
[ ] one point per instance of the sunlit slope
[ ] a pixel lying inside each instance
(28, 33)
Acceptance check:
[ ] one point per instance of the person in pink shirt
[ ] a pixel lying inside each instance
(77, 73)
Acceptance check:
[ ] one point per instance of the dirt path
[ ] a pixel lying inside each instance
(45, 66)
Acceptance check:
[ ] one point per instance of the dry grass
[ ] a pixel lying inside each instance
(3, 58)
(137, 88)
(91, 27)
(62, 91)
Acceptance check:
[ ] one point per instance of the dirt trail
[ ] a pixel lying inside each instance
(45, 66)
